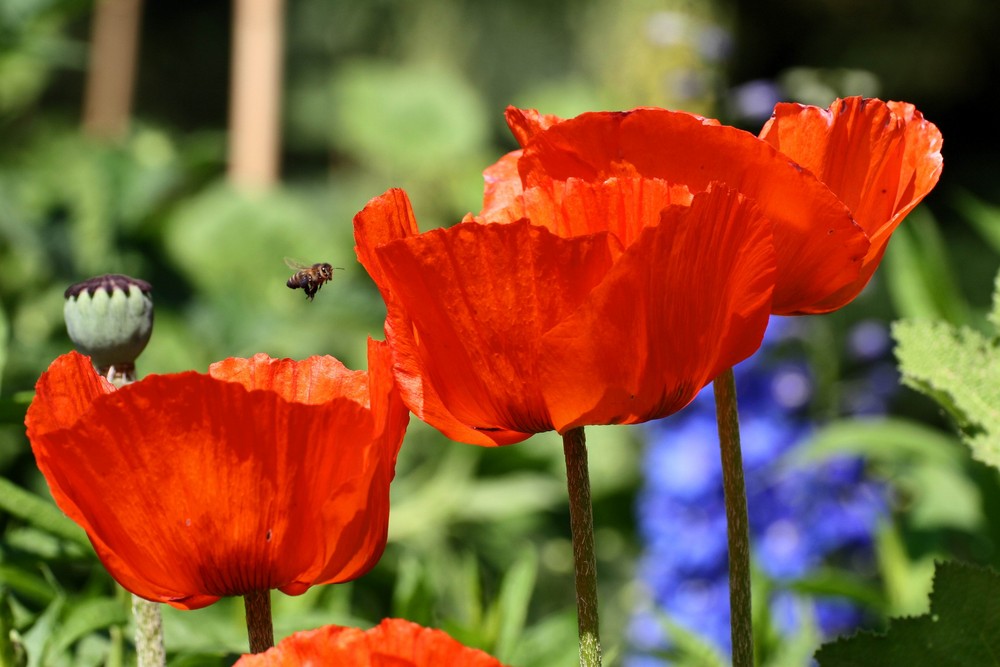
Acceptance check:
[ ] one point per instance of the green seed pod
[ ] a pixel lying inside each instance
(110, 319)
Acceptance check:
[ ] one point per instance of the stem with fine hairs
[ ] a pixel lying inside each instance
(581, 517)
(260, 631)
(737, 522)
(149, 649)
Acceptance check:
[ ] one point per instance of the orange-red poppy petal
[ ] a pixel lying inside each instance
(392, 643)
(192, 488)
(312, 381)
(526, 123)
(818, 245)
(503, 189)
(386, 218)
(881, 159)
(623, 206)
(480, 298)
(922, 162)
(690, 298)
(383, 219)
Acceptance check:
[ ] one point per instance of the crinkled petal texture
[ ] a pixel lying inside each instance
(881, 159)
(262, 474)
(818, 246)
(392, 643)
(500, 331)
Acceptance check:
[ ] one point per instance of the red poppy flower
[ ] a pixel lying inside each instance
(690, 151)
(878, 159)
(392, 643)
(602, 304)
(881, 159)
(262, 474)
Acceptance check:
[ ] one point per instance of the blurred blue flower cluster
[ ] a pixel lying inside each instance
(802, 519)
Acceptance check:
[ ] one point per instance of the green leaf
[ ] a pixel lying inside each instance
(919, 276)
(984, 219)
(39, 636)
(11, 652)
(4, 342)
(26, 584)
(929, 466)
(960, 369)
(690, 649)
(13, 408)
(87, 617)
(513, 602)
(38, 512)
(961, 629)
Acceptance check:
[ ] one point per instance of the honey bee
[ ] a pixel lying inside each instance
(309, 278)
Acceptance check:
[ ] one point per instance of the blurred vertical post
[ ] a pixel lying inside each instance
(114, 40)
(255, 92)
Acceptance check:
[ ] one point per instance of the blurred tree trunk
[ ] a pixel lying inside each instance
(114, 39)
(255, 93)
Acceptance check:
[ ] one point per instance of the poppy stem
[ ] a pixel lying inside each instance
(581, 519)
(149, 649)
(737, 522)
(260, 631)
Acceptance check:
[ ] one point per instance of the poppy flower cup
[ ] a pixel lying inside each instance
(834, 182)
(594, 303)
(261, 474)
(880, 158)
(392, 643)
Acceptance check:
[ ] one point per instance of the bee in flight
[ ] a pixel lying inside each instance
(309, 278)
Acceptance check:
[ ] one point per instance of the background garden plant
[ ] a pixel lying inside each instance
(412, 97)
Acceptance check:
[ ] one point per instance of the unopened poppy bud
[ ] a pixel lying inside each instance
(110, 319)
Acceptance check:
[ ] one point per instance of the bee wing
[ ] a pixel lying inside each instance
(295, 264)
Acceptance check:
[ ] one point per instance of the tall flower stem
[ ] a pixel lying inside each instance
(581, 518)
(149, 649)
(260, 630)
(737, 521)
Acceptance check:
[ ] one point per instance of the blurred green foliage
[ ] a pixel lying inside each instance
(392, 93)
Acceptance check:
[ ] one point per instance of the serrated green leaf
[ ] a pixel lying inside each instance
(961, 629)
(959, 368)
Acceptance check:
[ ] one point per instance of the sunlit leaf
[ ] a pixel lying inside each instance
(918, 273)
(960, 369)
(961, 629)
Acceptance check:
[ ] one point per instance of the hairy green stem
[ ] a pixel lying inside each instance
(260, 631)
(149, 649)
(581, 518)
(738, 525)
